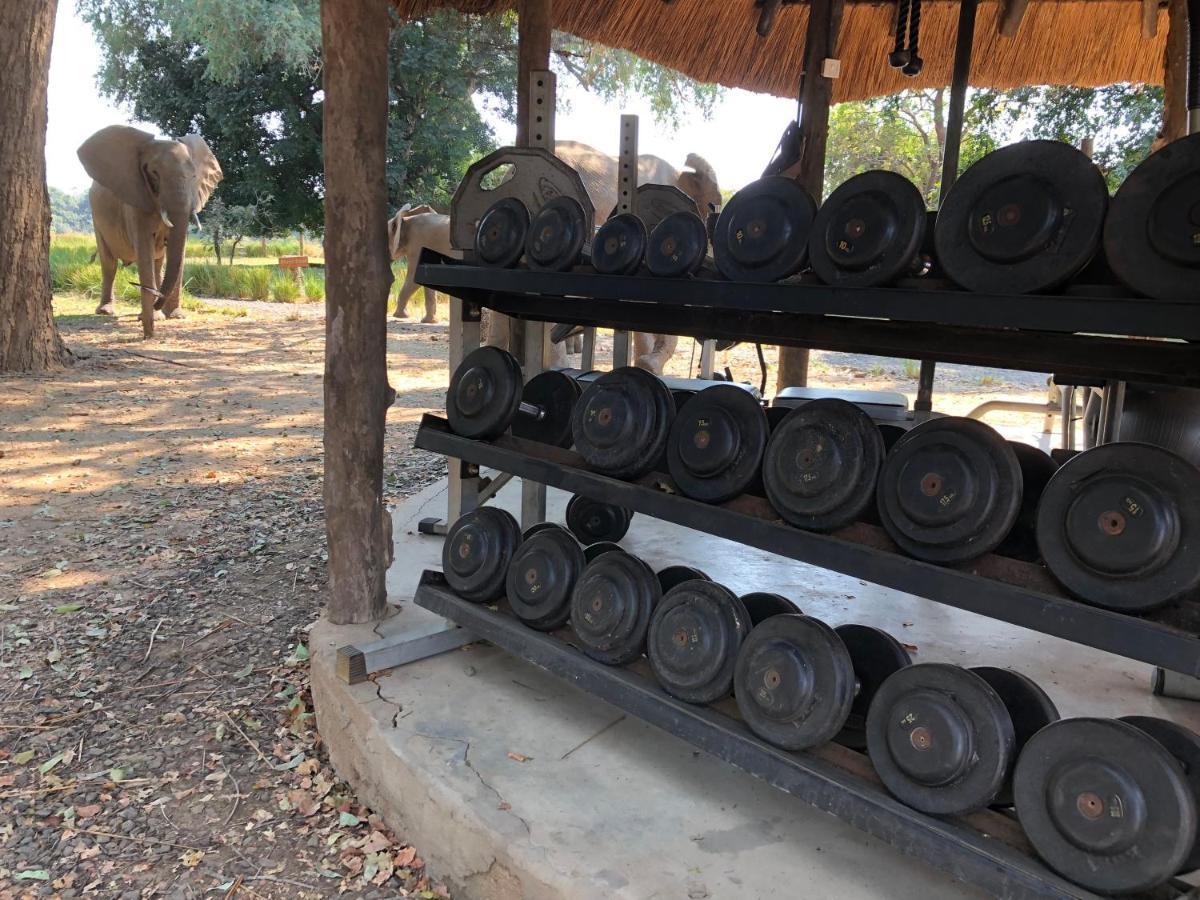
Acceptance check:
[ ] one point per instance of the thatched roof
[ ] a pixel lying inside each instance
(1079, 42)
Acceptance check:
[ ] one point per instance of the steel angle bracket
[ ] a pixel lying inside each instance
(536, 177)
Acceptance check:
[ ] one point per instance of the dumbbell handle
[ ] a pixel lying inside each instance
(535, 412)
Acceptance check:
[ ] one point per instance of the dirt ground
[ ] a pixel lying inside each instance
(162, 553)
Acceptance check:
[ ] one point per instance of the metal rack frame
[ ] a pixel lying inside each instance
(749, 521)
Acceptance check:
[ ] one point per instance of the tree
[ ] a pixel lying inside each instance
(29, 340)
(70, 212)
(229, 223)
(246, 74)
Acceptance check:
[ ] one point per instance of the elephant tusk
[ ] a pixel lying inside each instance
(166, 219)
(146, 287)
(196, 220)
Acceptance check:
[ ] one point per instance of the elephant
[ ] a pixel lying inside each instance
(145, 192)
(409, 230)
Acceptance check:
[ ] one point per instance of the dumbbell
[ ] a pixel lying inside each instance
(762, 605)
(1111, 804)
(556, 235)
(621, 423)
(500, 234)
(1119, 526)
(762, 232)
(670, 576)
(943, 739)
(611, 605)
(593, 521)
(476, 554)
(542, 575)
(486, 397)
(799, 683)
(716, 443)
(1037, 468)
(620, 245)
(693, 639)
(677, 246)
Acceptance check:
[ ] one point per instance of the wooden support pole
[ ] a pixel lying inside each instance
(1149, 19)
(1014, 13)
(1175, 60)
(820, 43)
(354, 34)
(533, 55)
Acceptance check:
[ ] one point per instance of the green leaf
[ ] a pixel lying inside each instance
(117, 775)
(68, 608)
(23, 757)
(299, 654)
(50, 763)
(33, 875)
(25, 674)
(347, 820)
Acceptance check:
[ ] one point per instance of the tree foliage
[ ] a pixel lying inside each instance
(69, 212)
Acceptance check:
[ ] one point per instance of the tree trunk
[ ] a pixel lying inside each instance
(354, 34)
(29, 340)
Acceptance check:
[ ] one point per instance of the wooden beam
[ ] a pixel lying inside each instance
(1175, 61)
(354, 34)
(1149, 19)
(820, 43)
(1014, 12)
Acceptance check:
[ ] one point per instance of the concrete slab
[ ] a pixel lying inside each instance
(607, 806)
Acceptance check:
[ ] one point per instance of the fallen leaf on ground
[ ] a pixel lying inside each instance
(191, 858)
(518, 757)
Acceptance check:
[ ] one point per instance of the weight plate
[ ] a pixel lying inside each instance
(776, 415)
(876, 656)
(940, 738)
(1025, 218)
(891, 434)
(1029, 707)
(680, 397)
(674, 575)
(1037, 467)
(762, 233)
(557, 233)
(868, 231)
(1118, 526)
(591, 551)
(622, 421)
(677, 245)
(484, 394)
(611, 606)
(821, 464)
(619, 245)
(501, 232)
(693, 640)
(1152, 235)
(762, 605)
(794, 682)
(716, 443)
(593, 520)
(541, 577)
(950, 490)
(535, 528)
(1183, 744)
(477, 551)
(555, 394)
(1105, 805)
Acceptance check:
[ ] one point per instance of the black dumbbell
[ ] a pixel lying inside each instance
(611, 605)
(762, 605)
(673, 575)
(541, 576)
(622, 421)
(500, 234)
(693, 639)
(716, 444)
(592, 521)
(486, 397)
(478, 549)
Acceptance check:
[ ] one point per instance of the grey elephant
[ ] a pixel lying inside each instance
(409, 230)
(145, 192)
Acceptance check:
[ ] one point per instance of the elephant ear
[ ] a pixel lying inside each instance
(395, 230)
(113, 157)
(208, 170)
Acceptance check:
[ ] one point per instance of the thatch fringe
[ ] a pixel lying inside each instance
(1077, 42)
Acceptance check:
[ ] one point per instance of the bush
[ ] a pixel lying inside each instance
(314, 285)
(258, 283)
(284, 288)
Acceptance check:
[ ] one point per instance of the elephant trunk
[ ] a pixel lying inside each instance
(173, 271)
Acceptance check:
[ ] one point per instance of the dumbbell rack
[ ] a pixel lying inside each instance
(1036, 333)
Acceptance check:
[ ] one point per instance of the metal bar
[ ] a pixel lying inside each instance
(533, 493)
(1135, 638)
(1067, 392)
(587, 359)
(462, 479)
(1020, 406)
(1111, 407)
(924, 402)
(621, 348)
(708, 351)
(494, 485)
(964, 45)
(356, 663)
(946, 844)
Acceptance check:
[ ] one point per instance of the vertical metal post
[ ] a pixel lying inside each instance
(462, 490)
(1067, 397)
(708, 352)
(587, 361)
(924, 402)
(963, 47)
(627, 182)
(1112, 404)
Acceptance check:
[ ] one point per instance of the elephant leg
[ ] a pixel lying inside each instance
(406, 290)
(108, 274)
(145, 265)
(661, 350)
(498, 331)
(430, 306)
(170, 305)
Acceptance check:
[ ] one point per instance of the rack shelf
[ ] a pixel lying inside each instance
(1025, 597)
(985, 849)
(1079, 334)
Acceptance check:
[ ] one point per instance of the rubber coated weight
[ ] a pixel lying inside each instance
(762, 605)
(794, 681)
(557, 233)
(535, 528)
(821, 464)
(1183, 744)
(949, 490)
(876, 656)
(622, 421)
(675, 575)
(1118, 526)
(1152, 234)
(869, 231)
(554, 394)
(680, 397)
(776, 415)
(611, 606)
(1029, 707)
(592, 521)
(1105, 805)
(591, 551)
(1037, 468)
(891, 434)
(716, 443)
(677, 245)
(693, 640)
(940, 739)
(541, 576)
(619, 245)
(484, 394)
(762, 233)
(478, 549)
(1025, 218)
(500, 235)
